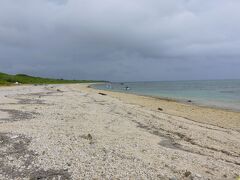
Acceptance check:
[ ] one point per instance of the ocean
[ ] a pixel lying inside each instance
(214, 93)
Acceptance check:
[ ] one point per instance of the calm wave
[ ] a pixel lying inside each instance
(219, 93)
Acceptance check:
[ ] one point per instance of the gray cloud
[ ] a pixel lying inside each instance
(121, 40)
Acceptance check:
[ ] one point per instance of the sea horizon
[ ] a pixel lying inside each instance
(136, 81)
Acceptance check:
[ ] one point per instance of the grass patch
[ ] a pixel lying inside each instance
(7, 79)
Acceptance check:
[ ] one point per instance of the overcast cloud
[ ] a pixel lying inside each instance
(121, 40)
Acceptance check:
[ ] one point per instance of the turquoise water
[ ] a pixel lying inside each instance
(219, 93)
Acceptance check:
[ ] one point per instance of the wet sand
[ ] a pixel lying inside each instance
(73, 132)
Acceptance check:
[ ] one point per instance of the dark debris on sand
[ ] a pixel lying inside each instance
(17, 115)
(17, 162)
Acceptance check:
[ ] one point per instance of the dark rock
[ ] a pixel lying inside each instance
(89, 137)
(187, 173)
(160, 109)
(103, 94)
(68, 164)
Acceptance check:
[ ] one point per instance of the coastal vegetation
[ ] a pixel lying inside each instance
(7, 79)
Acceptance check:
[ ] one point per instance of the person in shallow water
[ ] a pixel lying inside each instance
(127, 88)
(109, 86)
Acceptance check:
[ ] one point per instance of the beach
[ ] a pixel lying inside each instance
(76, 132)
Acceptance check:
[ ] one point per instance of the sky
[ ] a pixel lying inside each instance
(121, 40)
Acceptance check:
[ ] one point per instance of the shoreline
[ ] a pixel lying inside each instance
(193, 103)
(228, 118)
(182, 101)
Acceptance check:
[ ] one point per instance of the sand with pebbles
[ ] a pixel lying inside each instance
(73, 132)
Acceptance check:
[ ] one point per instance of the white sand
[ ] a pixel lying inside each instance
(87, 135)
